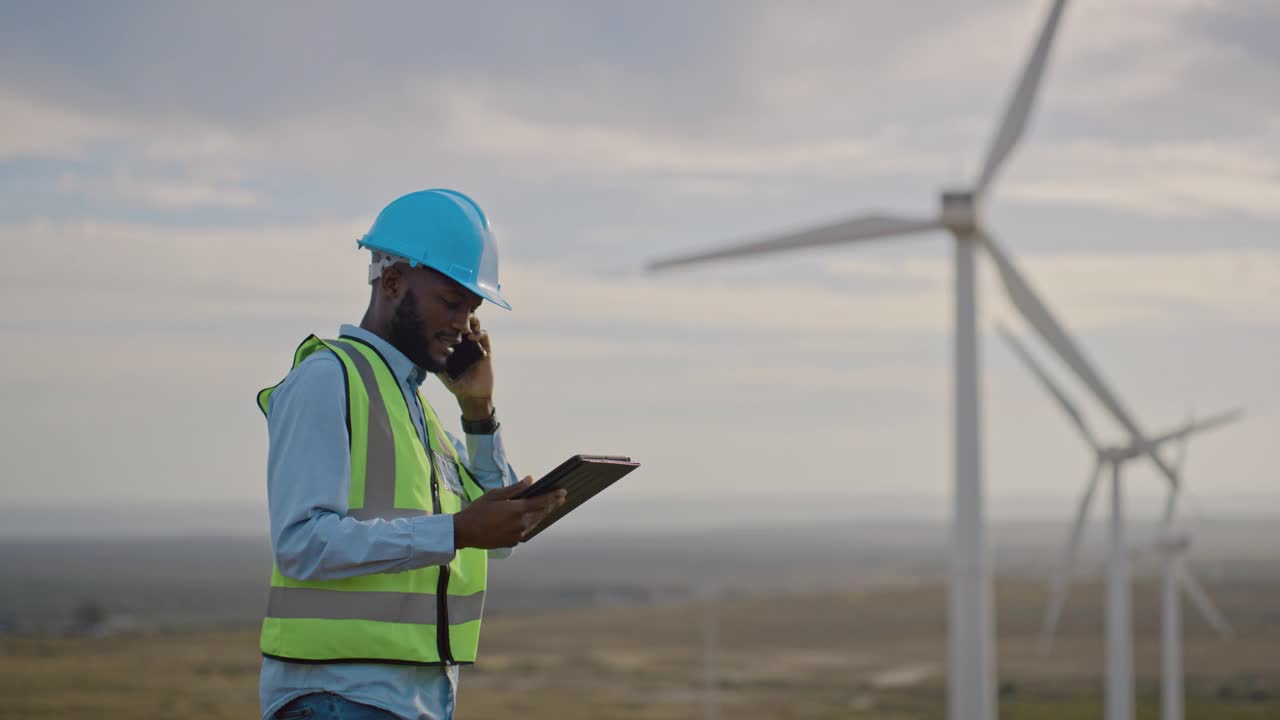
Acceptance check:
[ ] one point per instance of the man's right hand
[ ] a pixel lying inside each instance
(495, 520)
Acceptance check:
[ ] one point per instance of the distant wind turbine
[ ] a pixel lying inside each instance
(971, 619)
(1176, 578)
(1118, 685)
(711, 650)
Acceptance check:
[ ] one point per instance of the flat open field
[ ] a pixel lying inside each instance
(875, 653)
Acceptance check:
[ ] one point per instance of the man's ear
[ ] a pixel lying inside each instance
(392, 283)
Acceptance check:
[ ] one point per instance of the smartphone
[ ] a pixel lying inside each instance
(464, 355)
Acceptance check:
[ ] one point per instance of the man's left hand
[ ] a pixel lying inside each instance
(474, 389)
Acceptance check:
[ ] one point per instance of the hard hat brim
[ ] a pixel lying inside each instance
(486, 293)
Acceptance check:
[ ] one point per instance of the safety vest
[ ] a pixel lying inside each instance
(428, 616)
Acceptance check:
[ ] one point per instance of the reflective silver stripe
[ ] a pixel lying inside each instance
(465, 608)
(412, 608)
(392, 514)
(380, 455)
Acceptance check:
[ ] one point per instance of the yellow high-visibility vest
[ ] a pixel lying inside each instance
(428, 616)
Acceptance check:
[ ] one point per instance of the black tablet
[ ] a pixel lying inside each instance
(583, 477)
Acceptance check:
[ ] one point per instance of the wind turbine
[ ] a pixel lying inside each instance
(1118, 609)
(1176, 578)
(971, 620)
(711, 650)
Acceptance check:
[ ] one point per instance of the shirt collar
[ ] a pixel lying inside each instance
(401, 366)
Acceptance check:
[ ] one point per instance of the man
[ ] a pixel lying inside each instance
(381, 522)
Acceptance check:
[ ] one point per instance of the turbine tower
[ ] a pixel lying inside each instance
(1118, 682)
(1176, 578)
(971, 619)
(711, 650)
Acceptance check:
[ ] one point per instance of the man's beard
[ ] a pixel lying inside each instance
(409, 335)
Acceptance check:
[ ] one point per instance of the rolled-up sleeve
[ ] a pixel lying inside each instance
(486, 460)
(308, 479)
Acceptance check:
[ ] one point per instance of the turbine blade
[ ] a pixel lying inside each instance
(1181, 435)
(1062, 579)
(864, 228)
(1180, 460)
(1024, 95)
(1047, 326)
(1197, 427)
(1171, 502)
(1063, 401)
(1195, 592)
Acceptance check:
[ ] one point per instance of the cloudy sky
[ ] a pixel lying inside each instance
(181, 186)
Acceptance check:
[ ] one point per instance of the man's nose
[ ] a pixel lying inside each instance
(461, 322)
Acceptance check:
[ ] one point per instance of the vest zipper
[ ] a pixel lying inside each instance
(442, 585)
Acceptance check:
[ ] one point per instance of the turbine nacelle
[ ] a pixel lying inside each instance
(960, 212)
(1120, 455)
(1174, 543)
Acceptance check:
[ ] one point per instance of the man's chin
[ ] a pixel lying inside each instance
(428, 361)
(434, 364)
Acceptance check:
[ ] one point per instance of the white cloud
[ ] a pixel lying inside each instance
(32, 127)
(151, 280)
(158, 275)
(687, 303)
(1143, 293)
(915, 380)
(1124, 57)
(851, 92)
(209, 315)
(121, 328)
(482, 128)
(165, 193)
(1178, 179)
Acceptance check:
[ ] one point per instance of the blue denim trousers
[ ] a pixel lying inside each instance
(328, 706)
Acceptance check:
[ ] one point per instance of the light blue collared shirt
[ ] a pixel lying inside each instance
(308, 475)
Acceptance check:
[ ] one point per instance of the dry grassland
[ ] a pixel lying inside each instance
(858, 654)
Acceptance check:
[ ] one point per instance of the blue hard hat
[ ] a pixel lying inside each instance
(444, 230)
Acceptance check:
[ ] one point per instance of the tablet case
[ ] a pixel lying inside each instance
(583, 476)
